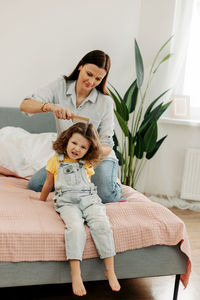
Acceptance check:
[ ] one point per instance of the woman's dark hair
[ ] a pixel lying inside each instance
(98, 58)
(94, 153)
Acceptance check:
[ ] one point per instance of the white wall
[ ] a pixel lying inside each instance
(164, 172)
(41, 40)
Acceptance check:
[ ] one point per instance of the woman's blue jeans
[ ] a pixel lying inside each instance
(104, 178)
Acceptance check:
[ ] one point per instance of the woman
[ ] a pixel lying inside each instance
(83, 93)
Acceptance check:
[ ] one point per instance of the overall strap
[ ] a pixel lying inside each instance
(61, 157)
(81, 163)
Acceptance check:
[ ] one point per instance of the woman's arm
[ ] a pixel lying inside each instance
(47, 187)
(34, 106)
(106, 128)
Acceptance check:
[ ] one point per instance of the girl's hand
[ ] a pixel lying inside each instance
(47, 187)
(60, 112)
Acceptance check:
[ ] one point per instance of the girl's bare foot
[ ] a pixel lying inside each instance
(113, 281)
(78, 286)
(77, 282)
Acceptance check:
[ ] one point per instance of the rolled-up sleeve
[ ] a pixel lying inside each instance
(106, 127)
(46, 93)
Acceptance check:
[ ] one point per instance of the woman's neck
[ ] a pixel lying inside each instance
(81, 95)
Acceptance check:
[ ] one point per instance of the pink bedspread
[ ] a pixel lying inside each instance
(31, 230)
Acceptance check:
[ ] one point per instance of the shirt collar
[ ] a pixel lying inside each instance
(92, 97)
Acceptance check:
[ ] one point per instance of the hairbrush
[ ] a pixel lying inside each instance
(76, 119)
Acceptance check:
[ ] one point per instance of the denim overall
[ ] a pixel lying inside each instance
(76, 201)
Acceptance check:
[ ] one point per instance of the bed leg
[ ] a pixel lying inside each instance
(176, 286)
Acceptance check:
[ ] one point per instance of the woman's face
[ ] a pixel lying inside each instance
(77, 146)
(90, 76)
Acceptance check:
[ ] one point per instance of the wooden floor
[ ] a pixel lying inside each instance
(133, 289)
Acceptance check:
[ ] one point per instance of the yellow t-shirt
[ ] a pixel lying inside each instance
(53, 164)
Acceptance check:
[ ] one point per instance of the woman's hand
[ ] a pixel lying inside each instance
(59, 111)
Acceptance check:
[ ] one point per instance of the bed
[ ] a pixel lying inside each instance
(150, 240)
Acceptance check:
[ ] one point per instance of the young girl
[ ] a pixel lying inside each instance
(76, 200)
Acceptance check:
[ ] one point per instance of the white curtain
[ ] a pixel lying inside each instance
(179, 46)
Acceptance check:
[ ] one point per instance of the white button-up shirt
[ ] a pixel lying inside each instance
(97, 107)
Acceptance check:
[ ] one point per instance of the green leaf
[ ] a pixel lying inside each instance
(152, 104)
(165, 44)
(117, 102)
(162, 61)
(139, 148)
(159, 51)
(139, 65)
(120, 105)
(131, 142)
(122, 124)
(125, 114)
(116, 143)
(119, 96)
(146, 123)
(115, 140)
(117, 152)
(150, 154)
(150, 137)
(162, 110)
(120, 157)
(130, 97)
(154, 115)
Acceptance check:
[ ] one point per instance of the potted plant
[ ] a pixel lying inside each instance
(139, 125)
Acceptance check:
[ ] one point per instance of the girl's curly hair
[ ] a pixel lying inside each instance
(94, 154)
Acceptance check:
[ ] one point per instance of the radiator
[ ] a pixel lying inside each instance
(190, 188)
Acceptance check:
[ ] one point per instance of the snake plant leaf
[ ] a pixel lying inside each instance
(150, 137)
(122, 123)
(139, 148)
(155, 114)
(162, 110)
(117, 103)
(131, 142)
(117, 93)
(162, 61)
(117, 152)
(146, 123)
(130, 97)
(125, 114)
(139, 66)
(164, 45)
(120, 105)
(119, 157)
(115, 140)
(150, 154)
(152, 115)
(153, 103)
(159, 51)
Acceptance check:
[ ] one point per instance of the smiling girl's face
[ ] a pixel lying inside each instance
(77, 146)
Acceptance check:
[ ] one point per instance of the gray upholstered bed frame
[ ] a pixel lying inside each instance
(151, 261)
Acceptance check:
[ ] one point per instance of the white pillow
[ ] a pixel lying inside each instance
(24, 152)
